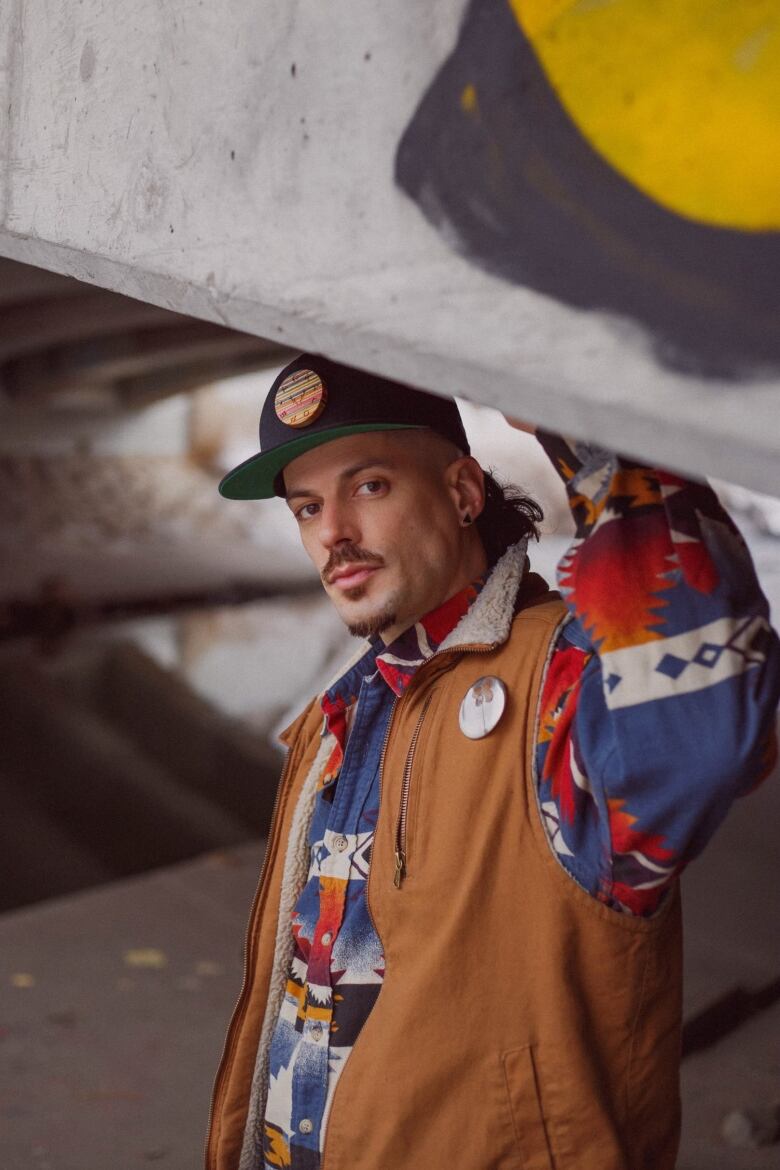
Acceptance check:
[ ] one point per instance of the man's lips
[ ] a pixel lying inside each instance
(348, 576)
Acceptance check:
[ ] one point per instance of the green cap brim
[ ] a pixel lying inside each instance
(255, 478)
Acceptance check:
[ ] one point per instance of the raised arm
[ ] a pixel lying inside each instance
(660, 699)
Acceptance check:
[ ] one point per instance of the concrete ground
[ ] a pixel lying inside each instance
(115, 1002)
(114, 1006)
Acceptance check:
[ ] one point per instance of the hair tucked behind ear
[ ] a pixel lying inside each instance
(507, 517)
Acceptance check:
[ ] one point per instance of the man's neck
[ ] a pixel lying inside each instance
(475, 568)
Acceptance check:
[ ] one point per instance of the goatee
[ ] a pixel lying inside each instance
(371, 626)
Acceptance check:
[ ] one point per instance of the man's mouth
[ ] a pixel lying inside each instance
(349, 576)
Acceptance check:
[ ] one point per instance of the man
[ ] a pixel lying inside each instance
(465, 946)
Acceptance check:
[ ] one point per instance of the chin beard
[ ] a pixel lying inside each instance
(371, 626)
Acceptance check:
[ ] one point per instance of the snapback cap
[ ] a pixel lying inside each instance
(314, 400)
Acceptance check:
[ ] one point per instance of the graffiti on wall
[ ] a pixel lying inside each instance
(619, 155)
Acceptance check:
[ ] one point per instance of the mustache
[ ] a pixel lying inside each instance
(348, 554)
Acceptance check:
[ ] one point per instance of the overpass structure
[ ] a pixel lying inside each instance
(567, 211)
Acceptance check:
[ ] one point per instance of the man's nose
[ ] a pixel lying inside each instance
(337, 525)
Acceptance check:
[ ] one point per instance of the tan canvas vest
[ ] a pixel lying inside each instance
(521, 1025)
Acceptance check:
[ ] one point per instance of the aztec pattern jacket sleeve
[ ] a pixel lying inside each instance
(659, 704)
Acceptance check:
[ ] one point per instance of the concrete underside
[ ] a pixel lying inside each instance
(235, 163)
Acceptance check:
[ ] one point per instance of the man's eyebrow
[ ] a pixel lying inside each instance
(356, 468)
(347, 473)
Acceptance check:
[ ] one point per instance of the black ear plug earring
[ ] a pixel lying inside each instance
(467, 520)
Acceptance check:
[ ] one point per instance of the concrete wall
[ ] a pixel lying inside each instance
(240, 162)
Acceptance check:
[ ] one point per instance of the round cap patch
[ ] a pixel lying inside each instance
(300, 399)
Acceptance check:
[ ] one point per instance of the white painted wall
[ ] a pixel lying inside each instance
(234, 161)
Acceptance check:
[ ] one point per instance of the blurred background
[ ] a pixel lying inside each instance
(153, 637)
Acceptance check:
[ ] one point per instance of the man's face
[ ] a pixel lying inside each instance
(380, 515)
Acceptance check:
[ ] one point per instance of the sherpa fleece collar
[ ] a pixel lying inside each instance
(489, 619)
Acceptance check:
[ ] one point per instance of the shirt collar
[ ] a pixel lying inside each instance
(396, 663)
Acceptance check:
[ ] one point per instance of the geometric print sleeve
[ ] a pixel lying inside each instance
(659, 702)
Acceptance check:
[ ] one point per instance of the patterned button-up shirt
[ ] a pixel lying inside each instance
(658, 709)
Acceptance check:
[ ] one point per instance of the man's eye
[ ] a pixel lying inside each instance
(371, 487)
(306, 512)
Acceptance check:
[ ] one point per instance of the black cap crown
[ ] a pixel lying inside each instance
(314, 400)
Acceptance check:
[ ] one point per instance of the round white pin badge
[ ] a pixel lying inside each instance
(482, 707)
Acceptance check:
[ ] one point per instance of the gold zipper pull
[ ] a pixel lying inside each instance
(400, 868)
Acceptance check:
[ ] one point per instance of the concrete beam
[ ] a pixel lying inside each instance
(130, 358)
(238, 164)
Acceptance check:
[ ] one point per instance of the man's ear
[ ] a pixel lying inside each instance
(466, 485)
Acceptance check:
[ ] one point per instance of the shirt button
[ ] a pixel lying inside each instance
(316, 1029)
(340, 843)
(305, 1126)
(327, 938)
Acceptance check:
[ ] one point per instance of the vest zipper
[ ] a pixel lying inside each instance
(400, 829)
(233, 1025)
(385, 742)
(483, 649)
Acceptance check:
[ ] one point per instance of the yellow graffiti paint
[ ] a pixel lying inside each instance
(536, 16)
(682, 97)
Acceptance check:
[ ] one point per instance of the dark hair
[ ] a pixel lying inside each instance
(507, 517)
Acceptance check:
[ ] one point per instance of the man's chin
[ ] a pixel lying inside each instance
(366, 621)
(363, 615)
(371, 625)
